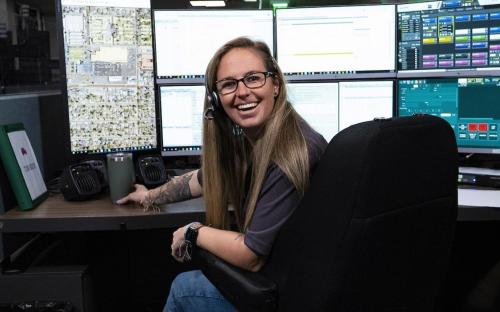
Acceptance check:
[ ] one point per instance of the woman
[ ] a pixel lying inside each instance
(257, 157)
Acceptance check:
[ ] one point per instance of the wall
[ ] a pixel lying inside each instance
(43, 116)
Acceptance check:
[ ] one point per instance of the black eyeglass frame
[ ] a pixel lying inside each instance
(266, 75)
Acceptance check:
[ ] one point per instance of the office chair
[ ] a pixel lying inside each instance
(372, 233)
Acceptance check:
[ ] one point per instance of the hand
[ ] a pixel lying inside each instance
(136, 196)
(179, 244)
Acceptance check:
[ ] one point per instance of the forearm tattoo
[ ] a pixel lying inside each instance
(175, 190)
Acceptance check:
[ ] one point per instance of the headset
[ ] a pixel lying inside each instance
(213, 103)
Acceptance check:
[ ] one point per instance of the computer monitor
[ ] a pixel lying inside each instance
(470, 105)
(318, 104)
(365, 100)
(108, 58)
(329, 107)
(336, 42)
(185, 40)
(449, 38)
(181, 119)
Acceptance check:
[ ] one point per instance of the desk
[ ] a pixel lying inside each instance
(478, 204)
(120, 272)
(116, 263)
(57, 215)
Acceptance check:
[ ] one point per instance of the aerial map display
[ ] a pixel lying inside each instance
(109, 75)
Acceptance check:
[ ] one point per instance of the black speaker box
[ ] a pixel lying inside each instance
(80, 182)
(151, 171)
(100, 167)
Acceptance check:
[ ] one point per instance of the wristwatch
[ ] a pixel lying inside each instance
(191, 234)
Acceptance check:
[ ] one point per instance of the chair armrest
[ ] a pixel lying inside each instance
(247, 291)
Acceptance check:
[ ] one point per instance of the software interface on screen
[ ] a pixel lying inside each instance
(109, 70)
(364, 100)
(181, 119)
(329, 107)
(449, 38)
(186, 40)
(336, 41)
(470, 105)
(318, 104)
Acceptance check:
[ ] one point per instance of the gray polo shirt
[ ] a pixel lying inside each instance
(278, 198)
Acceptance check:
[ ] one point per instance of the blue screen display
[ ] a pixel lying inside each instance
(470, 105)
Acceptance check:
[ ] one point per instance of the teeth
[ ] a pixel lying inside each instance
(247, 106)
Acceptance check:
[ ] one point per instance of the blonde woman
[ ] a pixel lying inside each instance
(258, 154)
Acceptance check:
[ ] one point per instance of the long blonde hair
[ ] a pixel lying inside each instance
(226, 155)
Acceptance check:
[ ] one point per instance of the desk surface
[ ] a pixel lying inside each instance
(57, 215)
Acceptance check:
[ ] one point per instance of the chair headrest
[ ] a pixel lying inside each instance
(393, 163)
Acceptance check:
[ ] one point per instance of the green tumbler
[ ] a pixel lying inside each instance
(121, 175)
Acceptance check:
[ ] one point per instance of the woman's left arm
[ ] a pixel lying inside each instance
(227, 245)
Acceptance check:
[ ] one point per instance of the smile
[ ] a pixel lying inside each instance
(246, 106)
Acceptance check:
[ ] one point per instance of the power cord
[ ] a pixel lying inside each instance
(54, 186)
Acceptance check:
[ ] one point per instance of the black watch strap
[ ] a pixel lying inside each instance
(191, 234)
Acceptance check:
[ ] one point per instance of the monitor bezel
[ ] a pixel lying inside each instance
(201, 78)
(339, 81)
(379, 74)
(438, 73)
(77, 156)
(478, 150)
(460, 149)
(163, 149)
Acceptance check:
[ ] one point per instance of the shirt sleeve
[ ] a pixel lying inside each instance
(278, 199)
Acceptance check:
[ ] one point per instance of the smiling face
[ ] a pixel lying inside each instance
(248, 108)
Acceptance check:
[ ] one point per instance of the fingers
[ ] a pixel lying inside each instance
(139, 187)
(178, 245)
(123, 200)
(129, 197)
(178, 251)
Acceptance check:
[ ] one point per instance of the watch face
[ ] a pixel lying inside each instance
(195, 226)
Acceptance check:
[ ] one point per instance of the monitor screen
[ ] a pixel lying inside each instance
(185, 41)
(449, 38)
(470, 105)
(318, 104)
(181, 119)
(329, 107)
(364, 100)
(336, 42)
(108, 58)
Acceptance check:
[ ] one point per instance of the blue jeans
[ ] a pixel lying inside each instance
(192, 291)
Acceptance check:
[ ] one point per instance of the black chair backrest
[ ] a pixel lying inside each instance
(374, 230)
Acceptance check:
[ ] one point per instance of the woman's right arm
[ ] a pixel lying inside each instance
(179, 188)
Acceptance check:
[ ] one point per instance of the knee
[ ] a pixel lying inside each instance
(184, 284)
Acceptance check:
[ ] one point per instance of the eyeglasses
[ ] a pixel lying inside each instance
(251, 81)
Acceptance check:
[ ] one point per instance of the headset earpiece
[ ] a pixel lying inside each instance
(213, 102)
